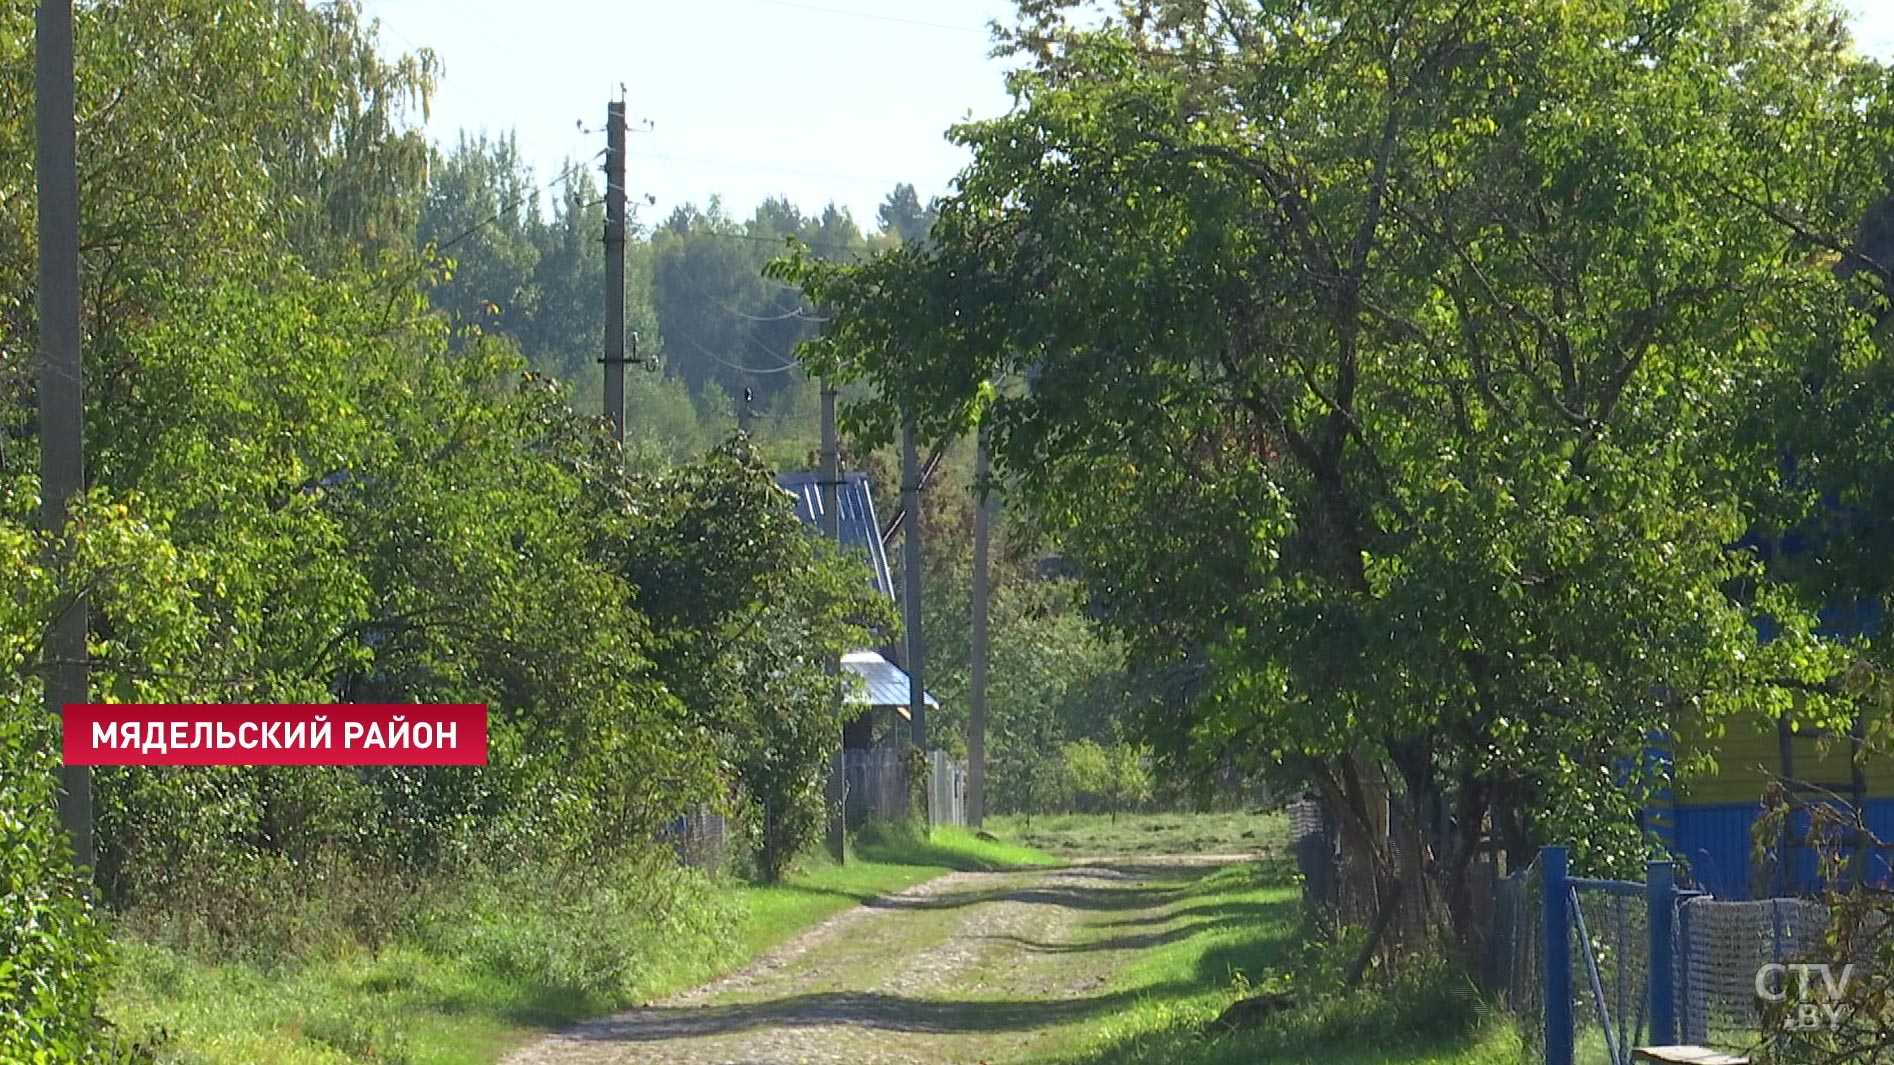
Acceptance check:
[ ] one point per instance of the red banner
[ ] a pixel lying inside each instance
(274, 734)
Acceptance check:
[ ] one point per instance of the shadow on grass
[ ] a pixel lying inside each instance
(915, 852)
(1285, 910)
(862, 896)
(1102, 889)
(1431, 1020)
(900, 848)
(1405, 1027)
(532, 1006)
(1199, 921)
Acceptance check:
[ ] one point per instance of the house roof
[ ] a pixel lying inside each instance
(855, 508)
(886, 684)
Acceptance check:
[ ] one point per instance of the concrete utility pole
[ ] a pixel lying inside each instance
(911, 584)
(61, 377)
(831, 468)
(976, 688)
(614, 359)
(830, 493)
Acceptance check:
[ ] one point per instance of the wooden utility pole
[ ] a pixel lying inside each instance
(61, 378)
(614, 359)
(830, 496)
(976, 688)
(911, 584)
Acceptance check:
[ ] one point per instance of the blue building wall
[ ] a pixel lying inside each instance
(1717, 845)
(1716, 841)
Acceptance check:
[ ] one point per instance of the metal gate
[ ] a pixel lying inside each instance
(1610, 962)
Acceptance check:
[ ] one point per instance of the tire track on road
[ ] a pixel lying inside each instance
(968, 967)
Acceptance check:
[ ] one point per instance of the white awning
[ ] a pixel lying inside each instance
(883, 682)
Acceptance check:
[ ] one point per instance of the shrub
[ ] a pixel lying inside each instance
(1103, 779)
(52, 951)
(599, 930)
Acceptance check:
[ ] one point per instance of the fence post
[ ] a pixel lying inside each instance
(936, 776)
(1660, 902)
(1554, 865)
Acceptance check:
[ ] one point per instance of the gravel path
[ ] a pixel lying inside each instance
(967, 968)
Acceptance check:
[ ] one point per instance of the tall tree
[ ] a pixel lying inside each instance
(903, 215)
(482, 217)
(567, 330)
(1387, 368)
(723, 322)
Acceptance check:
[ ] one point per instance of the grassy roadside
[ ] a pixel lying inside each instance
(1238, 931)
(419, 1001)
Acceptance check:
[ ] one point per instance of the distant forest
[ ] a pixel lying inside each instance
(519, 256)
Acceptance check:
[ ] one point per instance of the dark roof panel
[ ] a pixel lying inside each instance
(855, 506)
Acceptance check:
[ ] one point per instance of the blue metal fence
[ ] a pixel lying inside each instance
(1593, 969)
(1607, 963)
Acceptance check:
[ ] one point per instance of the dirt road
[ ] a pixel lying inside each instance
(967, 968)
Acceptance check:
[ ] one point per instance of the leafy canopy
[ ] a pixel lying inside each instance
(1390, 367)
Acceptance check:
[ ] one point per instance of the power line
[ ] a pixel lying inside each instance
(531, 194)
(714, 357)
(797, 314)
(780, 240)
(743, 332)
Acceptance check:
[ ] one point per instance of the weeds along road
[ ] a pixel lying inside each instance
(966, 968)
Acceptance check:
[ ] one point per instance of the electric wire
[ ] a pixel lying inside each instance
(570, 171)
(721, 361)
(860, 179)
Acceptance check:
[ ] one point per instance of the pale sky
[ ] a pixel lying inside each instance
(815, 100)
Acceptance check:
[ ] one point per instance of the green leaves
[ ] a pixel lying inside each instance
(308, 488)
(748, 606)
(1397, 371)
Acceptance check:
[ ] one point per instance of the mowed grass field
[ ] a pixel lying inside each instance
(1127, 835)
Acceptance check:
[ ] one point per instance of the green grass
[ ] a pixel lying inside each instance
(1235, 932)
(431, 1000)
(1189, 942)
(1092, 835)
(880, 863)
(952, 848)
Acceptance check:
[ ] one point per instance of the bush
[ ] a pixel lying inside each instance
(599, 930)
(52, 951)
(1103, 779)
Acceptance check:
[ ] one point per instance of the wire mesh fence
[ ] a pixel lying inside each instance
(700, 837)
(1611, 968)
(1725, 945)
(1606, 995)
(1518, 963)
(1611, 996)
(1624, 984)
(1638, 963)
